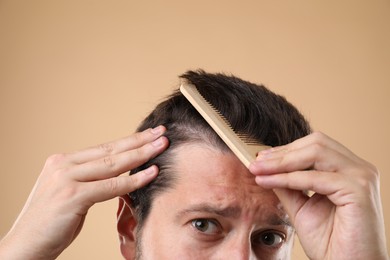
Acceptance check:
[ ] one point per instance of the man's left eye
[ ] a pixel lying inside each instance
(270, 238)
(207, 226)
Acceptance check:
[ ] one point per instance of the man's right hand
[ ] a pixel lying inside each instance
(70, 184)
(343, 219)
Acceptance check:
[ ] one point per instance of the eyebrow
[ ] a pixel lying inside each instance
(276, 220)
(231, 212)
(228, 212)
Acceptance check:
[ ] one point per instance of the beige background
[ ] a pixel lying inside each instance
(77, 73)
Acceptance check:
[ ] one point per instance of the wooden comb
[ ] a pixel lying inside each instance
(243, 147)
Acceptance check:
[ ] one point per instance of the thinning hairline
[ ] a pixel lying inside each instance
(170, 165)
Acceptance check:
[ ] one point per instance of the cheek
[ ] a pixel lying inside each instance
(155, 239)
(168, 242)
(161, 237)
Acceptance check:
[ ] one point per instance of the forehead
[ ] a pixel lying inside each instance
(205, 174)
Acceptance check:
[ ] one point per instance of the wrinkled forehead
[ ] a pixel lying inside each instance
(204, 164)
(207, 174)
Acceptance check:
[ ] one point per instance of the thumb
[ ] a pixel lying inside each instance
(292, 201)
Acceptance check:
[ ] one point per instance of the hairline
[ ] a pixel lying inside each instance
(171, 165)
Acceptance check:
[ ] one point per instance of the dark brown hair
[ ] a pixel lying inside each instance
(251, 109)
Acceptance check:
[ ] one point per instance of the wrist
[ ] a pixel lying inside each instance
(15, 247)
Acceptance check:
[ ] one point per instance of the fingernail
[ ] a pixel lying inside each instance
(158, 142)
(158, 130)
(255, 167)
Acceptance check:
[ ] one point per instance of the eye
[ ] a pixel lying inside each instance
(206, 226)
(269, 238)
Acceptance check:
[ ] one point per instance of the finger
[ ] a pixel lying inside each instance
(312, 156)
(117, 164)
(316, 138)
(292, 201)
(110, 188)
(296, 202)
(107, 149)
(324, 183)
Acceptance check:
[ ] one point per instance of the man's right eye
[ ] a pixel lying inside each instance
(206, 226)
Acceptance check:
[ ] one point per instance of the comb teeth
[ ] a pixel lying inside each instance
(247, 139)
(243, 136)
(244, 147)
(215, 110)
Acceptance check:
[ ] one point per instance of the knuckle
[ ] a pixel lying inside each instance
(109, 162)
(112, 186)
(318, 137)
(58, 177)
(60, 173)
(143, 137)
(365, 184)
(55, 159)
(107, 148)
(316, 148)
(367, 179)
(373, 170)
(372, 174)
(70, 192)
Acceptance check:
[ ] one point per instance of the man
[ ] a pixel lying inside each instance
(204, 203)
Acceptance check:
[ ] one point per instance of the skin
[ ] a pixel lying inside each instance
(235, 215)
(70, 184)
(342, 220)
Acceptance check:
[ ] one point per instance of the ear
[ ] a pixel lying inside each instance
(126, 226)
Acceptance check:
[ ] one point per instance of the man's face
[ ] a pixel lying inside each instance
(214, 211)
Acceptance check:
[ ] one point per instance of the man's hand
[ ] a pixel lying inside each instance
(343, 219)
(70, 184)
